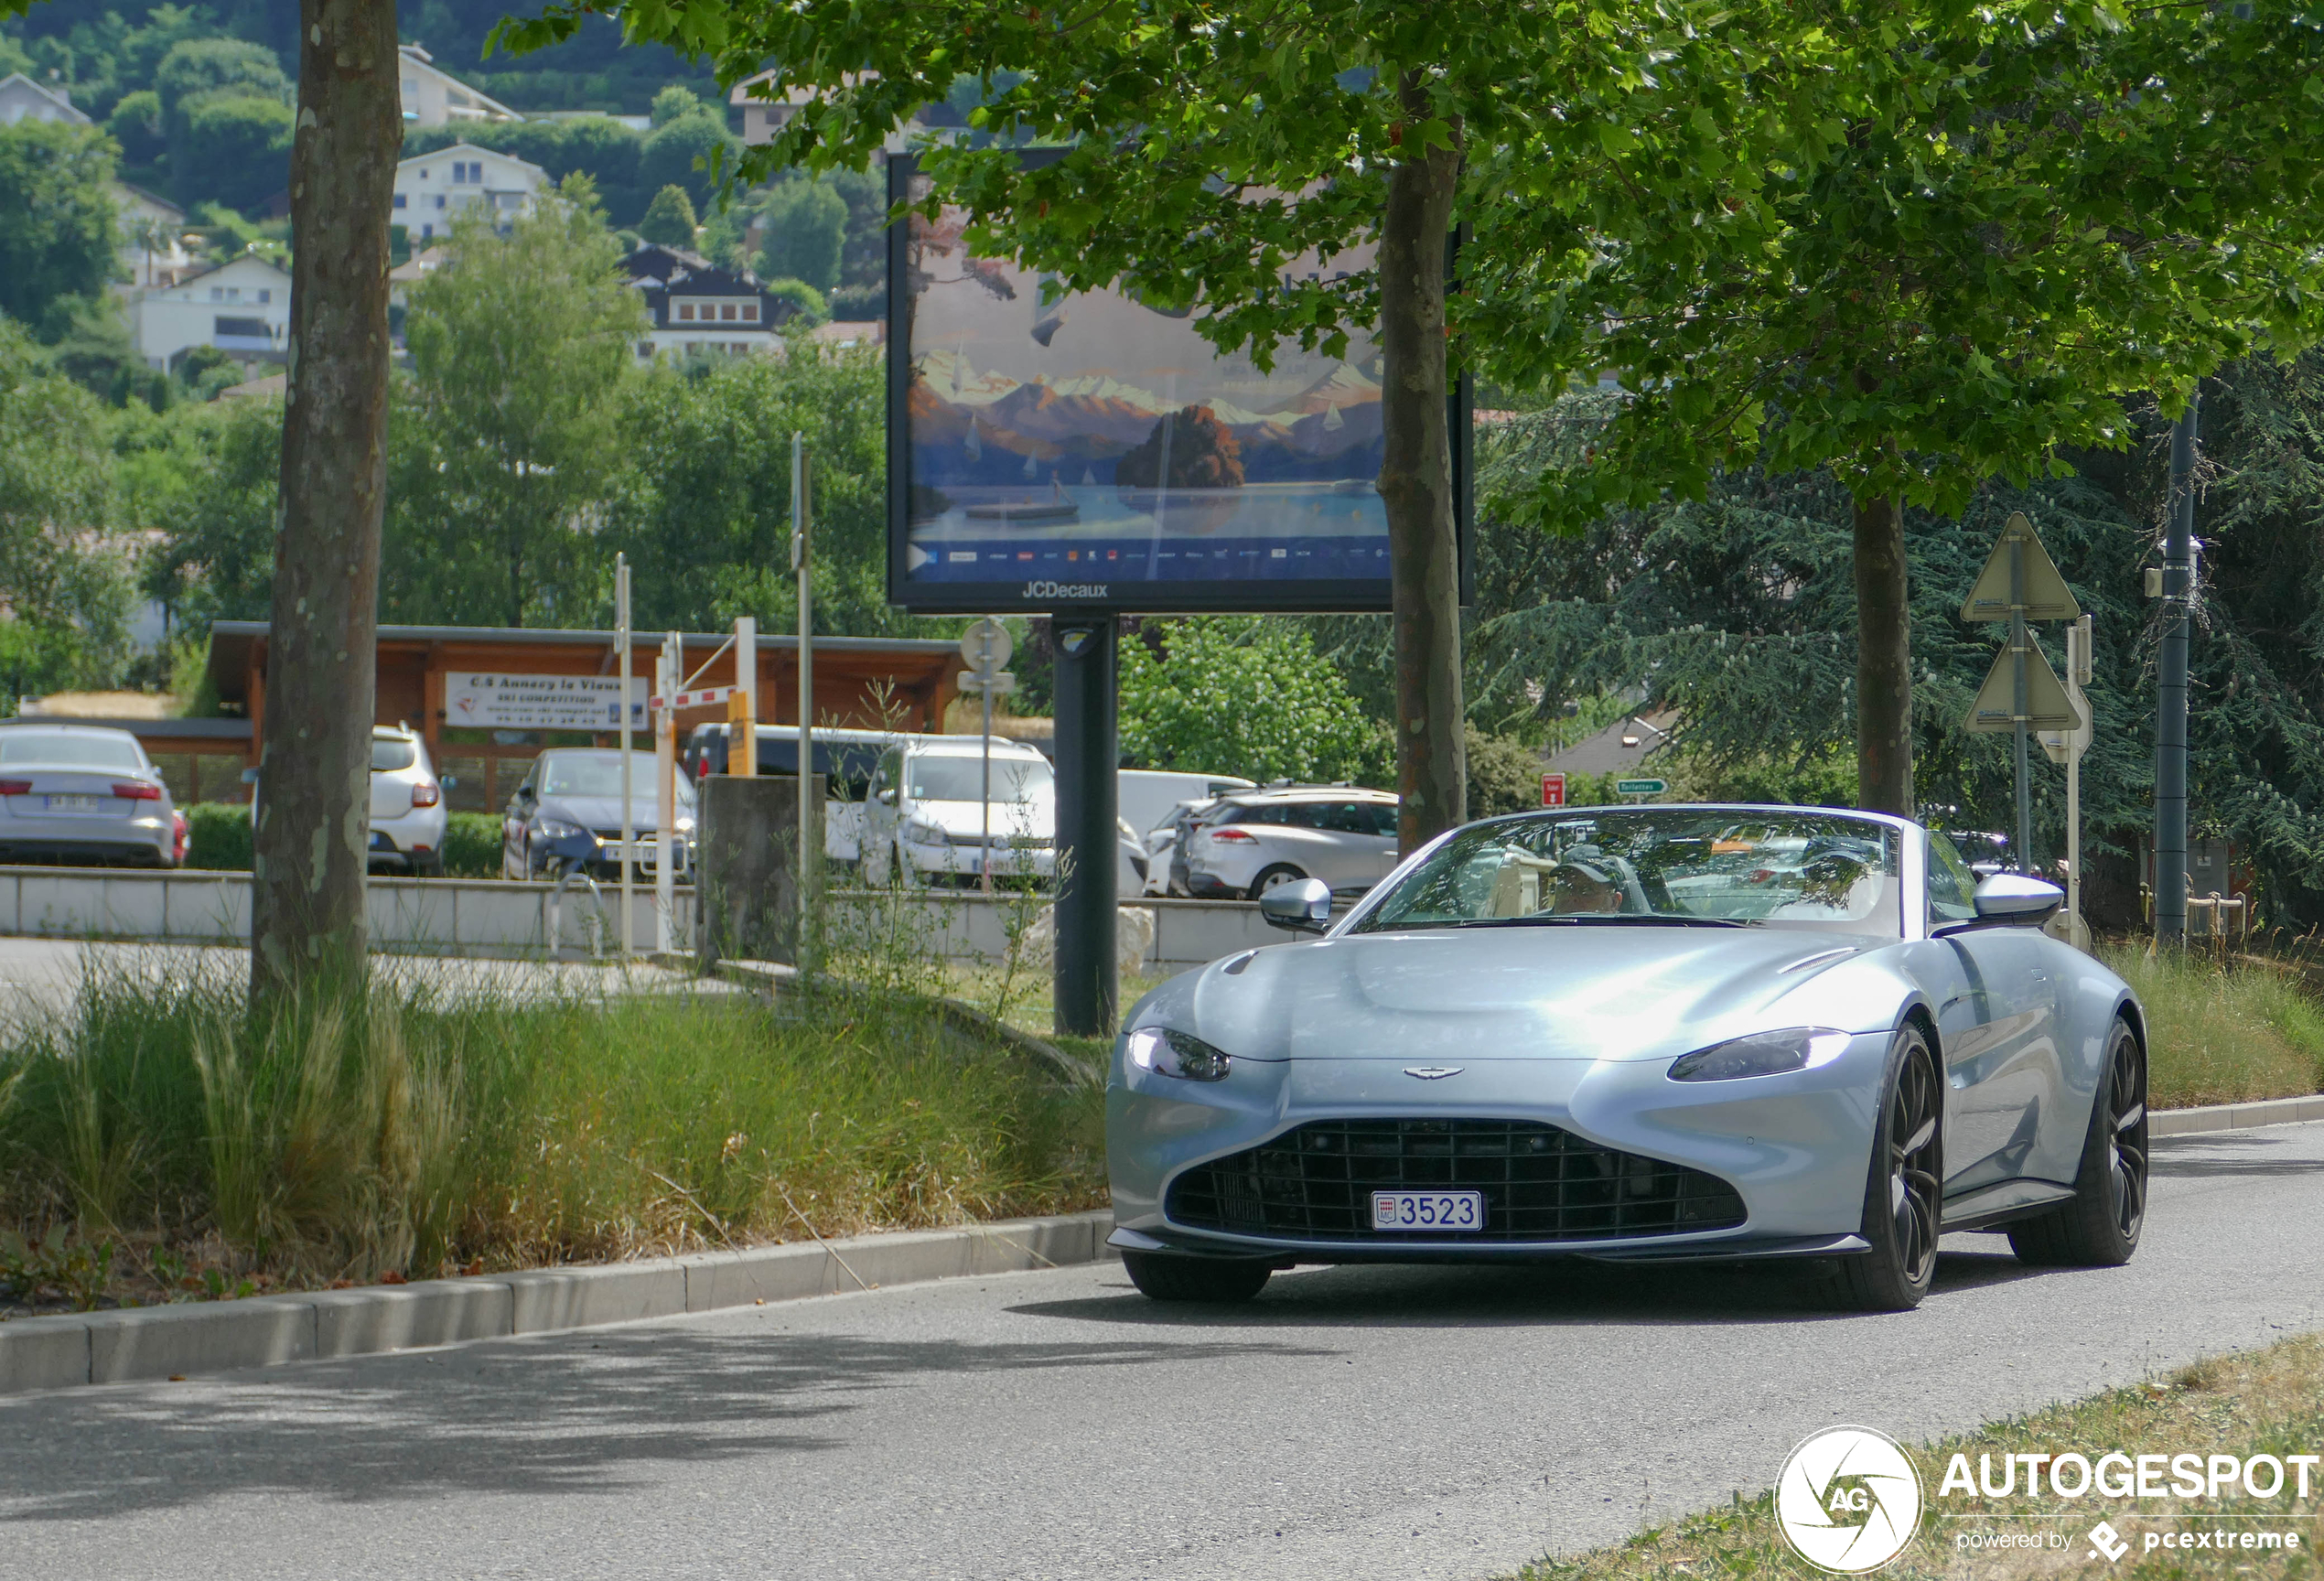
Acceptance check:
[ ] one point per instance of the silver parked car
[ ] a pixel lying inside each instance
(1690, 1033)
(1242, 845)
(82, 793)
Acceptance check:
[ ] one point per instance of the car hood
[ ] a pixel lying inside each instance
(1033, 819)
(604, 812)
(1584, 992)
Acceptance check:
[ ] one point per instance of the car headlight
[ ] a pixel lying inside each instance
(1176, 1053)
(684, 824)
(557, 829)
(919, 831)
(1762, 1054)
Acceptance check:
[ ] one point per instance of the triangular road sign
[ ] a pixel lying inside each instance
(2046, 593)
(2047, 705)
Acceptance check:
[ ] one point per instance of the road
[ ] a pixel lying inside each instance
(1351, 1423)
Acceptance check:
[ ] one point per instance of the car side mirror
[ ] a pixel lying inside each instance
(1302, 906)
(888, 797)
(2016, 901)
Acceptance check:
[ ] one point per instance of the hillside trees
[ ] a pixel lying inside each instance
(504, 434)
(57, 234)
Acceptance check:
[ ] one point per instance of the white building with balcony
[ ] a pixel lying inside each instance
(434, 97)
(431, 189)
(242, 307)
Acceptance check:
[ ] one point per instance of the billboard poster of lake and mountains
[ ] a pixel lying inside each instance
(1095, 450)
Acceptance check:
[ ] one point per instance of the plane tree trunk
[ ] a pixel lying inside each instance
(1883, 661)
(1416, 486)
(308, 923)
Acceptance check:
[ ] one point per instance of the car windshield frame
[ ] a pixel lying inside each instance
(23, 748)
(642, 772)
(1812, 869)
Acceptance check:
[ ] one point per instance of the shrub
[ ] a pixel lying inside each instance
(218, 837)
(472, 846)
(670, 218)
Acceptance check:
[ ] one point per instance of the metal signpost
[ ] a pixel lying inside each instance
(667, 672)
(2170, 712)
(629, 819)
(1553, 790)
(2067, 746)
(2021, 693)
(811, 867)
(986, 647)
(742, 708)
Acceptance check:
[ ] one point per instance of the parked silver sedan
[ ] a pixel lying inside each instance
(1639, 1034)
(82, 793)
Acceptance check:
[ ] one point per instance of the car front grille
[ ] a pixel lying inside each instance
(1540, 1184)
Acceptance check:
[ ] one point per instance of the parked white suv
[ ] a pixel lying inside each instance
(408, 813)
(1244, 844)
(923, 820)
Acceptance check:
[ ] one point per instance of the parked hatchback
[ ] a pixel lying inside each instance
(82, 793)
(408, 815)
(568, 814)
(1239, 847)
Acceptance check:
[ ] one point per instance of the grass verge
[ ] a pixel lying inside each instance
(2223, 1035)
(2267, 1401)
(202, 1151)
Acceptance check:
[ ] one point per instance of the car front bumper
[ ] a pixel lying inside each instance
(1795, 1148)
(967, 861)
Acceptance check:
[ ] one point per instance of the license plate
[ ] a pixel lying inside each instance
(72, 803)
(1450, 1210)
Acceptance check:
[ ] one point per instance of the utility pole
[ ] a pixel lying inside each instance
(670, 675)
(2170, 712)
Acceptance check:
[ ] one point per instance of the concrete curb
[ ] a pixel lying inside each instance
(149, 1342)
(2234, 1116)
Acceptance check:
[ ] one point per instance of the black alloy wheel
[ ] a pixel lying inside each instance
(1166, 1276)
(1903, 1203)
(2099, 1226)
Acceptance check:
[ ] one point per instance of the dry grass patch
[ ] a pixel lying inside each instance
(2263, 1401)
(2223, 1035)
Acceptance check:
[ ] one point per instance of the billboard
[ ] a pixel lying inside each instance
(1094, 452)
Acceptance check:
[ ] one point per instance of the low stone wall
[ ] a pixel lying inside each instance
(499, 918)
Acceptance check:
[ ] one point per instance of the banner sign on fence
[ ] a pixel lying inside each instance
(496, 700)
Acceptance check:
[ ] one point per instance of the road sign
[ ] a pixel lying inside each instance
(986, 645)
(999, 683)
(2044, 593)
(1641, 787)
(1553, 790)
(2047, 705)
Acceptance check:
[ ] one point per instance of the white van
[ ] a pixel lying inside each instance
(926, 818)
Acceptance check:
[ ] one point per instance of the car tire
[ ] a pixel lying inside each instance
(1161, 1276)
(1273, 878)
(2099, 1226)
(1904, 1193)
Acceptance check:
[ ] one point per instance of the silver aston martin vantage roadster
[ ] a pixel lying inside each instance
(1643, 1033)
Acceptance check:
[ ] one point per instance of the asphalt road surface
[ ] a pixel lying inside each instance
(1357, 1424)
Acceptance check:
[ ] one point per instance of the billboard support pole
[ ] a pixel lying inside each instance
(1088, 992)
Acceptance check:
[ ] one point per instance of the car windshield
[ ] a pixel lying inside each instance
(62, 749)
(600, 774)
(1678, 866)
(392, 752)
(957, 779)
